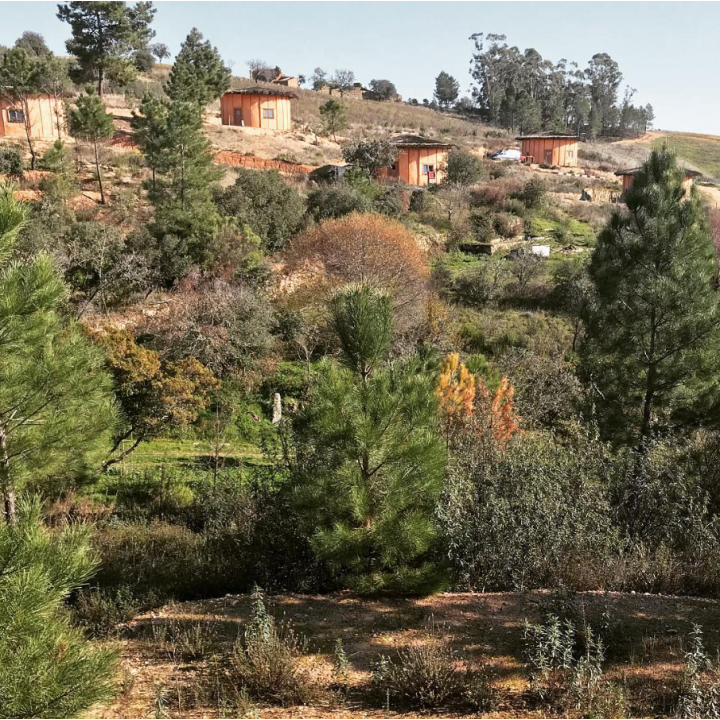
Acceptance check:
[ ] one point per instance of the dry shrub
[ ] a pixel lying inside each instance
(362, 248)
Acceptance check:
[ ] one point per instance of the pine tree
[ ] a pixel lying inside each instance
(446, 89)
(199, 74)
(47, 668)
(149, 126)
(105, 35)
(55, 398)
(89, 121)
(652, 345)
(367, 459)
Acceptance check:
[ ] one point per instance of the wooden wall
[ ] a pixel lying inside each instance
(411, 160)
(564, 151)
(252, 107)
(43, 112)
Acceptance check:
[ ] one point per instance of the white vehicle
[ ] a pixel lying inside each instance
(512, 154)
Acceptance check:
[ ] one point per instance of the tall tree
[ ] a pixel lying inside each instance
(343, 80)
(199, 74)
(105, 35)
(384, 89)
(55, 81)
(334, 117)
(604, 78)
(20, 80)
(149, 126)
(446, 89)
(652, 345)
(367, 460)
(89, 121)
(33, 44)
(55, 398)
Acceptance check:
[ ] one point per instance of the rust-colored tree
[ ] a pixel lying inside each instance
(361, 248)
(465, 399)
(153, 395)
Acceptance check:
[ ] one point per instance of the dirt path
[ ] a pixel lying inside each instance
(644, 633)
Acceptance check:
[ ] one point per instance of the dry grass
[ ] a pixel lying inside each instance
(645, 637)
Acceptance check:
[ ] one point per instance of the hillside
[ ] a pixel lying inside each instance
(645, 635)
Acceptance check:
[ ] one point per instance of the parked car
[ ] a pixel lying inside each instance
(512, 154)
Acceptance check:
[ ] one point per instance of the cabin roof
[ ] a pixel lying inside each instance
(418, 141)
(258, 90)
(549, 136)
(634, 171)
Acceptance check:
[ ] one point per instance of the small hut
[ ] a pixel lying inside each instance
(420, 161)
(258, 107)
(44, 114)
(628, 177)
(560, 150)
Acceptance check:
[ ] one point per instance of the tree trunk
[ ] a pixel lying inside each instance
(650, 381)
(6, 485)
(99, 174)
(28, 133)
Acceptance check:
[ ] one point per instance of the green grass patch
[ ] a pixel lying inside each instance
(701, 151)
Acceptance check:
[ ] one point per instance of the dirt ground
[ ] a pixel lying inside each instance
(645, 635)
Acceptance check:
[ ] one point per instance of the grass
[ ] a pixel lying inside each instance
(190, 453)
(701, 151)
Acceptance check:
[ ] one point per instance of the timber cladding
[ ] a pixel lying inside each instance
(422, 166)
(257, 108)
(45, 114)
(560, 150)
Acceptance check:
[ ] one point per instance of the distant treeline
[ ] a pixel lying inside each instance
(523, 92)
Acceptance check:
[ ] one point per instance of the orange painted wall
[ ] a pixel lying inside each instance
(43, 112)
(564, 152)
(410, 161)
(252, 107)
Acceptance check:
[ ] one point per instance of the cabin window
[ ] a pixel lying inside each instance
(268, 113)
(569, 154)
(425, 169)
(16, 116)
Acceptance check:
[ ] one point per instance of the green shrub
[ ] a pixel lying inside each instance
(506, 225)
(183, 641)
(47, 668)
(700, 693)
(464, 168)
(56, 159)
(101, 611)
(11, 161)
(334, 202)
(482, 225)
(532, 194)
(266, 660)
(484, 283)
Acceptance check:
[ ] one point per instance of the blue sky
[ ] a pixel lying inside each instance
(666, 50)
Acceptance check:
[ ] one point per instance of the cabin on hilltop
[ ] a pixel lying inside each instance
(258, 107)
(43, 117)
(420, 161)
(628, 177)
(546, 149)
(275, 76)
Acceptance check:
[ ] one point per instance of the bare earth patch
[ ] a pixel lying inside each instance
(644, 633)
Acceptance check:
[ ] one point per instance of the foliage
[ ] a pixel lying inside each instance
(367, 465)
(651, 347)
(464, 168)
(266, 204)
(535, 515)
(370, 155)
(89, 121)
(335, 202)
(55, 401)
(47, 668)
(384, 89)
(483, 284)
(265, 661)
(104, 38)
(199, 74)
(56, 159)
(11, 161)
(33, 44)
(700, 695)
(425, 674)
(334, 115)
(152, 395)
(446, 89)
(532, 194)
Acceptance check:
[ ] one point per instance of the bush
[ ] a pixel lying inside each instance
(482, 225)
(11, 161)
(262, 200)
(56, 159)
(534, 515)
(425, 675)
(47, 668)
(506, 225)
(464, 168)
(484, 283)
(266, 660)
(700, 693)
(101, 611)
(532, 194)
(334, 202)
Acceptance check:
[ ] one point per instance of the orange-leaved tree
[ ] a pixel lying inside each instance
(465, 399)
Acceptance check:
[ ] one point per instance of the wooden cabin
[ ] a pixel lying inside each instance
(559, 150)
(45, 114)
(420, 161)
(258, 107)
(628, 177)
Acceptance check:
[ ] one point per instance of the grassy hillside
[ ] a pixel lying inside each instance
(700, 151)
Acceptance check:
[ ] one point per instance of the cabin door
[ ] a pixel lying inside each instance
(237, 116)
(548, 157)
